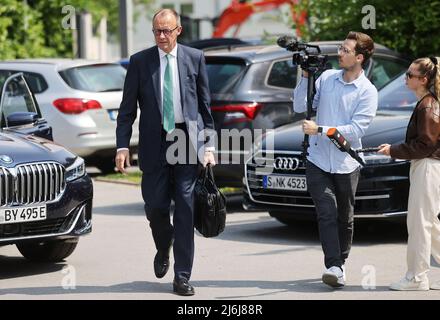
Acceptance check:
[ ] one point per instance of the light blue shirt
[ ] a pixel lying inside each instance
(349, 107)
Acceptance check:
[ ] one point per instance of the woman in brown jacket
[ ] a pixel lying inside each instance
(422, 147)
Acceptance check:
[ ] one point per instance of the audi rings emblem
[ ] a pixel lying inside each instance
(286, 164)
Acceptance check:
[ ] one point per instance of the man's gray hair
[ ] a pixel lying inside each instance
(168, 11)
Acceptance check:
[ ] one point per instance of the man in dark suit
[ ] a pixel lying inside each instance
(170, 84)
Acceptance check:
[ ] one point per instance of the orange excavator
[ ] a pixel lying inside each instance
(240, 10)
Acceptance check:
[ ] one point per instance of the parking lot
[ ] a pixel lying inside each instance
(255, 258)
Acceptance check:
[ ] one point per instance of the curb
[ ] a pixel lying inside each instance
(129, 183)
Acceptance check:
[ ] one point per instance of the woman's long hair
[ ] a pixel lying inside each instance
(430, 68)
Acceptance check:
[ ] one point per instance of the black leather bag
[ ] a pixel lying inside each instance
(210, 205)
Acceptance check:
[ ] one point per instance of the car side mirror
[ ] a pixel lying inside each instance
(21, 118)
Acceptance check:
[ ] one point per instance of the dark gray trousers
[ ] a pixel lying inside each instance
(333, 196)
(159, 186)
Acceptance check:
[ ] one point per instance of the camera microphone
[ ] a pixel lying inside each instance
(343, 145)
(286, 41)
(373, 149)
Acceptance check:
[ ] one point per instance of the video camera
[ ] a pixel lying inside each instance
(306, 55)
(310, 59)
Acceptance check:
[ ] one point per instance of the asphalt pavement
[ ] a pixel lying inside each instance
(256, 258)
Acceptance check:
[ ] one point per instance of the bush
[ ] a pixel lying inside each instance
(407, 26)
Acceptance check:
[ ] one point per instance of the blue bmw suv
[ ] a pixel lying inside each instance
(45, 192)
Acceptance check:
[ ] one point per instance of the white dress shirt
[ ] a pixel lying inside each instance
(349, 107)
(177, 103)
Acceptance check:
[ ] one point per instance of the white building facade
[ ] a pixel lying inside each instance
(275, 22)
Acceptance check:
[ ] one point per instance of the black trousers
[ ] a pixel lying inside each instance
(333, 196)
(159, 186)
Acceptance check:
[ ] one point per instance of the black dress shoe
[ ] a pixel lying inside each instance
(161, 263)
(183, 288)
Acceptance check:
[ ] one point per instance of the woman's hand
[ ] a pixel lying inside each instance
(385, 149)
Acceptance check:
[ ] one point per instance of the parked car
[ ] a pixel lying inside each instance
(80, 99)
(45, 192)
(124, 62)
(205, 44)
(211, 43)
(251, 87)
(275, 177)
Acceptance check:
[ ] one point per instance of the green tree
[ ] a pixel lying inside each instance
(408, 26)
(33, 28)
(20, 31)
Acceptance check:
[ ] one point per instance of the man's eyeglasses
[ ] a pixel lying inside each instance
(344, 50)
(166, 32)
(409, 75)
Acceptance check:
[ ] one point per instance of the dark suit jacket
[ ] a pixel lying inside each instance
(142, 85)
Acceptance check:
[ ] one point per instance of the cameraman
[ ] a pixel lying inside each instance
(347, 100)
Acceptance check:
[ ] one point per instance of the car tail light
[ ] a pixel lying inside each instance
(75, 105)
(250, 110)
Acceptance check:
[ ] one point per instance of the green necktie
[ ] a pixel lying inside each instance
(168, 108)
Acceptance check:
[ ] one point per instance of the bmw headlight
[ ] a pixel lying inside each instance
(76, 170)
(377, 159)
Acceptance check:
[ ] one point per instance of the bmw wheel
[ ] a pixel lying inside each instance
(50, 251)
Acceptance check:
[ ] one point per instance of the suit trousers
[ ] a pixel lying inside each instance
(333, 196)
(161, 185)
(422, 219)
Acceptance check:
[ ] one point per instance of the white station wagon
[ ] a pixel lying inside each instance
(80, 99)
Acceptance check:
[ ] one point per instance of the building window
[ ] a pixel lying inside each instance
(186, 9)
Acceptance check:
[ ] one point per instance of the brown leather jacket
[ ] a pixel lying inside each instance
(423, 133)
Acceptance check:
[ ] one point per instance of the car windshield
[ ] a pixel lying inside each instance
(396, 96)
(223, 76)
(95, 78)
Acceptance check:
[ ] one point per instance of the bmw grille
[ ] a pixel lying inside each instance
(31, 183)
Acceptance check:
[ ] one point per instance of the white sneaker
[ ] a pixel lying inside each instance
(334, 277)
(435, 285)
(410, 285)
